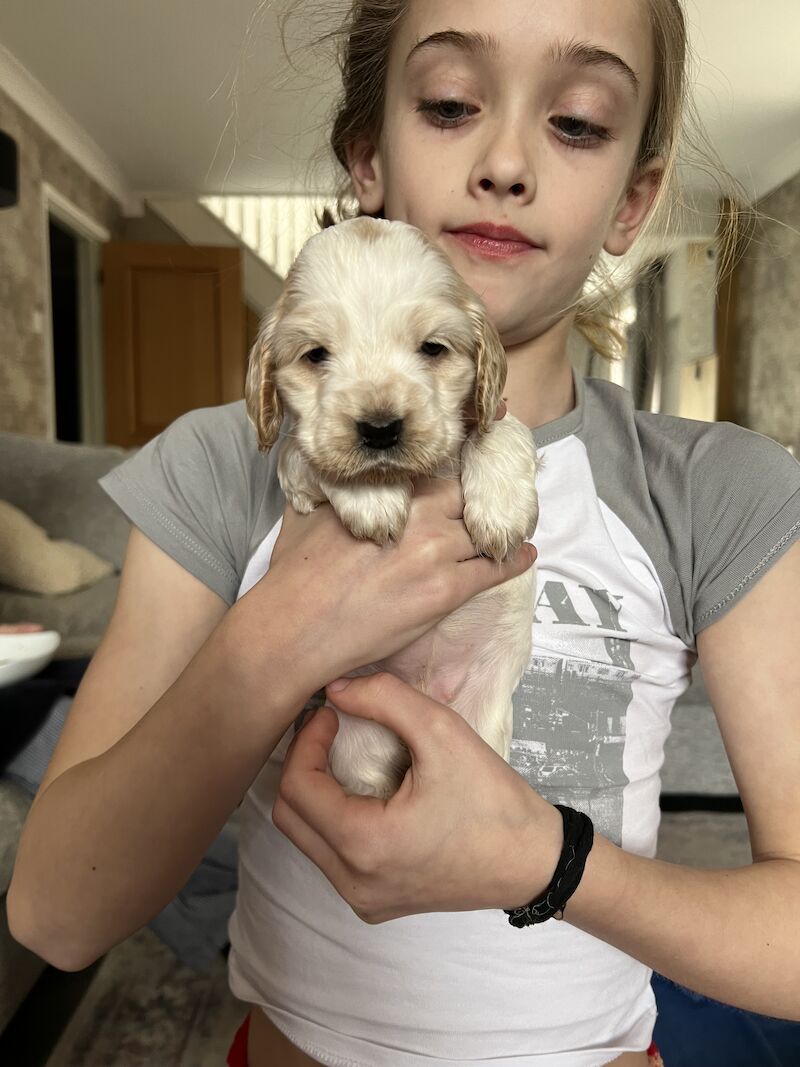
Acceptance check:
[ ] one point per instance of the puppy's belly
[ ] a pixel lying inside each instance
(435, 665)
(491, 629)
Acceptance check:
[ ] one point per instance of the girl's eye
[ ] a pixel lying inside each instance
(431, 348)
(575, 132)
(317, 355)
(578, 133)
(446, 113)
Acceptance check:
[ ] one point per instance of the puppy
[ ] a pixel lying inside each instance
(375, 349)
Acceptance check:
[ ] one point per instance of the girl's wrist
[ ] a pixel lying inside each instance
(274, 640)
(543, 852)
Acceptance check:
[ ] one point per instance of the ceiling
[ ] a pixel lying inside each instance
(195, 97)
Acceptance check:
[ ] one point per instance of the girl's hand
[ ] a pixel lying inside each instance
(463, 832)
(359, 603)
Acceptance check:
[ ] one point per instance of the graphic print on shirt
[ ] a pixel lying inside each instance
(570, 711)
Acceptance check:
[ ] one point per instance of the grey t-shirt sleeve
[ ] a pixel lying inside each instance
(745, 513)
(189, 490)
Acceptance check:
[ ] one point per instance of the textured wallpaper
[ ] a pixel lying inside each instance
(768, 321)
(25, 378)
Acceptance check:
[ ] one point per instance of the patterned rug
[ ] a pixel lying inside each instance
(146, 1009)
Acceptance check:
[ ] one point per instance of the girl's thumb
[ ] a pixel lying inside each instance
(325, 720)
(525, 558)
(386, 699)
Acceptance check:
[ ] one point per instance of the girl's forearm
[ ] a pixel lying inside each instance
(732, 935)
(113, 839)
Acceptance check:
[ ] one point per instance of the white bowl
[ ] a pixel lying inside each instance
(23, 655)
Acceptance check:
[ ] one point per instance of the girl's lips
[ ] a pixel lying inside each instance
(489, 246)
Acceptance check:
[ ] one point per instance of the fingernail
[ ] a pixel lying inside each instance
(338, 685)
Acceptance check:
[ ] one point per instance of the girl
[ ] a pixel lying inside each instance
(373, 934)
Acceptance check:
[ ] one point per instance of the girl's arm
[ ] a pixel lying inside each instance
(164, 736)
(733, 935)
(186, 698)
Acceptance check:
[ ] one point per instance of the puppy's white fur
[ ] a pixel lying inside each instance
(367, 299)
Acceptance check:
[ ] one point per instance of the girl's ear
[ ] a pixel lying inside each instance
(634, 207)
(364, 164)
(264, 408)
(491, 367)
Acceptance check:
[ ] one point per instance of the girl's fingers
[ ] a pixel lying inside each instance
(303, 837)
(393, 703)
(481, 573)
(311, 792)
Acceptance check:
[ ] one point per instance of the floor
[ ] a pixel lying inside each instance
(140, 1007)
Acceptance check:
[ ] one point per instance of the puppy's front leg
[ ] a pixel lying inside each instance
(498, 480)
(298, 480)
(376, 513)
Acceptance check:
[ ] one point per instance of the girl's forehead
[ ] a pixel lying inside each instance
(518, 33)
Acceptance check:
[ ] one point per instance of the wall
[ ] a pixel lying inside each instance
(767, 322)
(24, 375)
(688, 307)
(149, 228)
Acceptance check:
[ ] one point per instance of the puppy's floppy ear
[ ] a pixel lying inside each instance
(264, 408)
(491, 367)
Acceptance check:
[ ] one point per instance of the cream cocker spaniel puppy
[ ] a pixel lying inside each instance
(375, 348)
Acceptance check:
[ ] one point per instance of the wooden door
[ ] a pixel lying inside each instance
(173, 325)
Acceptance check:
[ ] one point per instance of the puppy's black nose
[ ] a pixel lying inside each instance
(380, 434)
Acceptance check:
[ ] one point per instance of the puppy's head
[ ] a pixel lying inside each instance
(374, 347)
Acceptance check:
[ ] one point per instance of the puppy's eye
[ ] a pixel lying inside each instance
(317, 355)
(431, 348)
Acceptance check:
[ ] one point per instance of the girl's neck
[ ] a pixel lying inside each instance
(539, 386)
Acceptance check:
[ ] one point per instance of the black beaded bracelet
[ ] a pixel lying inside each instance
(578, 841)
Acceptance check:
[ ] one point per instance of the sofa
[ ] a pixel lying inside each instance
(55, 484)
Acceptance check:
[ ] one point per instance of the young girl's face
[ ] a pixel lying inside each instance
(540, 134)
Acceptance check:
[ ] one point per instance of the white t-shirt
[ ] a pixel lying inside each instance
(650, 529)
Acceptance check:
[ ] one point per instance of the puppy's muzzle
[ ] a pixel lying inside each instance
(380, 433)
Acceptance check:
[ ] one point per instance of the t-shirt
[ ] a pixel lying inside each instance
(651, 528)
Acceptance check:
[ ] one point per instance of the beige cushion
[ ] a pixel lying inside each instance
(29, 560)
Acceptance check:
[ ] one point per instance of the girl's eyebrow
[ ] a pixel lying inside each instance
(485, 45)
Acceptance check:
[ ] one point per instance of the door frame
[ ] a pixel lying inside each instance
(90, 235)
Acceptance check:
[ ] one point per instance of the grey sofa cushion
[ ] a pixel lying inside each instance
(80, 617)
(55, 483)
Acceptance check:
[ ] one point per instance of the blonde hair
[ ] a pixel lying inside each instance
(364, 40)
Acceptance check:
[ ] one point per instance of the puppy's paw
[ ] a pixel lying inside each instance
(490, 538)
(302, 503)
(372, 513)
(498, 480)
(498, 533)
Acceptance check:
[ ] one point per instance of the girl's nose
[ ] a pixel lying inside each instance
(506, 168)
(517, 189)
